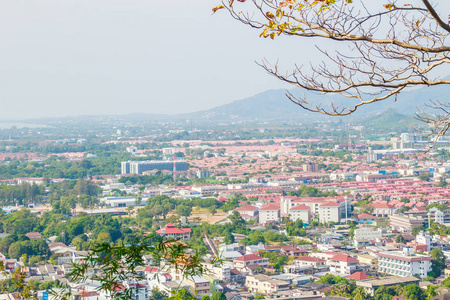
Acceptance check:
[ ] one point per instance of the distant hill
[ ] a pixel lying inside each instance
(274, 105)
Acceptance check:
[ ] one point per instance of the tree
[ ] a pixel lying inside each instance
(400, 239)
(416, 229)
(414, 292)
(122, 262)
(218, 295)
(393, 48)
(438, 262)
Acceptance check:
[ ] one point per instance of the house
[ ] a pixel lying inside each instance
(343, 264)
(264, 284)
(365, 219)
(33, 235)
(329, 212)
(383, 209)
(199, 285)
(309, 261)
(357, 276)
(269, 212)
(171, 232)
(248, 212)
(300, 212)
(250, 259)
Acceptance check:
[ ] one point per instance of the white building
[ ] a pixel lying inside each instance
(269, 213)
(367, 233)
(343, 264)
(248, 212)
(329, 212)
(300, 212)
(404, 263)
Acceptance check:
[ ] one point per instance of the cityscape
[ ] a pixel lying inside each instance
(144, 155)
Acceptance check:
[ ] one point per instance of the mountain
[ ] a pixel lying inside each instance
(274, 105)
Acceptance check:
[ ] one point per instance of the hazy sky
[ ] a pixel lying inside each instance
(72, 57)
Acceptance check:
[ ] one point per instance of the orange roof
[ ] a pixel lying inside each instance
(358, 276)
(329, 203)
(270, 206)
(300, 207)
(343, 258)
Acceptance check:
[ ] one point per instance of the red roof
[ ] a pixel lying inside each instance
(358, 276)
(246, 208)
(365, 216)
(344, 258)
(381, 205)
(248, 257)
(329, 203)
(309, 258)
(300, 207)
(270, 206)
(171, 229)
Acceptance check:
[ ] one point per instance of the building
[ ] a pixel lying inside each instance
(199, 285)
(442, 217)
(264, 284)
(404, 263)
(202, 174)
(383, 209)
(269, 212)
(250, 259)
(248, 212)
(171, 232)
(310, 167)
(343, 264)
(138, 167)
(371, 285)
(300, 212)
(405, 224)
(315, 262)
(365, 219)
(367, 233)
(329, 212)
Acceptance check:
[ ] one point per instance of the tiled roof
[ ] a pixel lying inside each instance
(365, 216)
(300, 207)
(248, 257)
(246, 208)
(329, 204)
(358, 276)
(343, 258)
(171, 229)
(270, 206)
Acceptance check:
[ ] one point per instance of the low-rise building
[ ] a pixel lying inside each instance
(264, 284)
(371, 285)
(404, 263)
(171, 232)
(343, 264)
(309, 261)
(365, 219)
(250, 259)
(248, 212)
(367, 233)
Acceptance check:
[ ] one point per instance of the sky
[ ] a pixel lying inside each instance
(77, 57)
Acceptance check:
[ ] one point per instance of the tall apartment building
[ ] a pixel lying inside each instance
(269, 212)
(404, 263)
(138, 167)
(329, 212)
